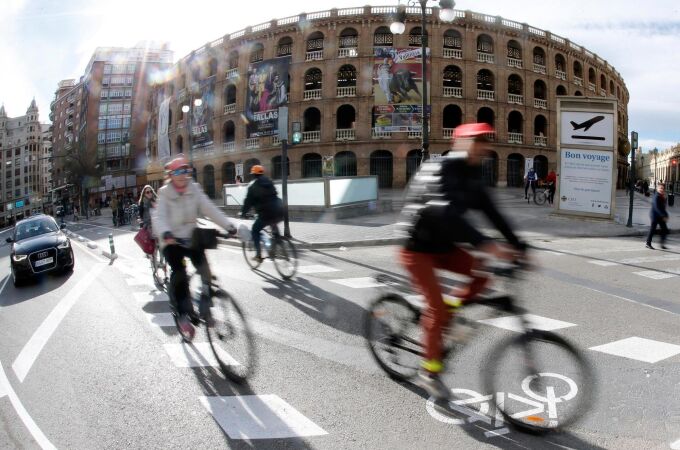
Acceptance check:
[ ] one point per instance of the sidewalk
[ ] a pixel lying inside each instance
(529, 220)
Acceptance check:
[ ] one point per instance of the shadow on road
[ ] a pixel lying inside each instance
(33, 287)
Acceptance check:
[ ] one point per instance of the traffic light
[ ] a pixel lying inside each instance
(674, 162)
(297, 138)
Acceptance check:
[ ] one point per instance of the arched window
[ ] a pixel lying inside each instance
(349, 38)
(490, 169)
(484, 44)
(453, 39)
(233, 59)
(611, 87)
(209, 180)
(515, 123)
(603, 82)
(539, 90)
(312, 120)
(345, 117)
(486, 115)
(515, 167)
(380, 163)
(485, 80)
(284, 47)
(347, 76)
(539, 56)
(561, 90)
(228, 173)
(228, 131)
(514, 54)
(257, 53)
(578, 70)
(540, 126)
(515, 85)
(541, 166)
(560, 63)
(578, 93)
(311, 165)
(382, 37)
(230, 94)
(591, 76)
(315, 42)
(277, 170)
(313, 79)
(345, 164)
(212, 69)
(453, 77)
(413, 160)
(453, 116)
(415, 37)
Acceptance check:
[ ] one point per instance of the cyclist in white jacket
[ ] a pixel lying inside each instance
(180, 203)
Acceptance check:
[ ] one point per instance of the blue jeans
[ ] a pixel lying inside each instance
(258, 225)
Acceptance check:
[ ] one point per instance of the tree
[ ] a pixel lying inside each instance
(83, 171)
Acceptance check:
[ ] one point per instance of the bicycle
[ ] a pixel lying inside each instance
(159, 267)
(541, 195)
(393, 334)
(280, 250)
(231, 339)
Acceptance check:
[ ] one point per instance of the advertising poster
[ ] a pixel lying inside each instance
(397, 89)
(267, 90)
(163, 138)
(328, 168)
(586, 180)
(587, 128)
(201, 117)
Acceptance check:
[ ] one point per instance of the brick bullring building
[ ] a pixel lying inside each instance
(481, 68)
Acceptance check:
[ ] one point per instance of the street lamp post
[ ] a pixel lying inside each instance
(446, 14)
(187, 109)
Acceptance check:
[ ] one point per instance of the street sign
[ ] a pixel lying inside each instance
(19, 204)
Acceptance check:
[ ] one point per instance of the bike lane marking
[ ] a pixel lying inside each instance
(676, 445)
(36, 432)
(23, 363)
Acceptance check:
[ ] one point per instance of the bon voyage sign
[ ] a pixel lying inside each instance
(586, 179)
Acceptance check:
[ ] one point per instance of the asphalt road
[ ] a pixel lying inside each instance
(87, 363)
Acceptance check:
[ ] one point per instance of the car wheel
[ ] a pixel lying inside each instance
(69, 269)
(15, 279)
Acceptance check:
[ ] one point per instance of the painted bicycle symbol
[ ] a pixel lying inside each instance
(537, 403)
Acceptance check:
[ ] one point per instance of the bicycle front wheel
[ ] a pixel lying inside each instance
(159, 269)
(285, 257)
(394, 335)
(540, 382)
(540, 197)
(249, 254)
(231, 339)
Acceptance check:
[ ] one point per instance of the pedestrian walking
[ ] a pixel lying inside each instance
(551, 180)
(114, 210)
(659, 217)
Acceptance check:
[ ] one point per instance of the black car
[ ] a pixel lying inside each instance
(39, 246)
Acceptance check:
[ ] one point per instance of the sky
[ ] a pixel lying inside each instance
(43, 41)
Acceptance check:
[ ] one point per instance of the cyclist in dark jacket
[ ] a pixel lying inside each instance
(262, 196)
(435, 224)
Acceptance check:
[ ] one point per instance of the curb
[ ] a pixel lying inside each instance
(109, 255)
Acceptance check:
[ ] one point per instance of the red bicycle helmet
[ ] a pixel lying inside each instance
(470, 130)
(177, 163)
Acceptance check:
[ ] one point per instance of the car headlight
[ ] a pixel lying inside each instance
(18, 258)
(65, 244)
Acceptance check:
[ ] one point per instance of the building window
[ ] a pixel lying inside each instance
(128, 93)
(126, 108)
(106, 81)
(107, 69)
(102, 124)
(102, 108)
(130, 68)
(101, 138)
(128, 80)
(104, 93)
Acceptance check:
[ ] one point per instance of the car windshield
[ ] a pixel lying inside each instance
(33, 228)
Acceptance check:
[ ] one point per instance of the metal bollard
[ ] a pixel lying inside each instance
(113, 248)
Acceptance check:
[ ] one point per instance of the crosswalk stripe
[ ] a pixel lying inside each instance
(138, 282)
(358, 283)
(597, 262)
(655, 275)
(259, 417)
(161, 319)
(649, 259)
(199, 354)
(318, 268)
(536, 322)
(639, 349)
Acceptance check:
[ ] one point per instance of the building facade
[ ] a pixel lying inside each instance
(662, 167)
(21, 146)
(98, 147)
(481, 69)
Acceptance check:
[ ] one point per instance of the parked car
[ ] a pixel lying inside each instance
(39, 246)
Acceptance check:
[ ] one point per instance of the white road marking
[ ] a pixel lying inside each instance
(196, 355)
(161, 319)
(319, 268)
(639, 349)
(38, 435)
(650, 259)
(654, 275)
(4, 283)
(676, 445)
(36, 343)
(138, 282)
(550, 252)
(358, 283)
(259, 417)
(537, 322)
(97, 257)
(597, 262)
(148, 297)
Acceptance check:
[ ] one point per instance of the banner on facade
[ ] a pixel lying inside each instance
(328, 168)
(267, 91)
(397, 89)
(163, 125)
(202, 116)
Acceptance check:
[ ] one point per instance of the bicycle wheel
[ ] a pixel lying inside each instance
(394, 335)
(249, 253)
(285, 256)
(159, 269)
(231, 339)
(540, 197)
(541, 382)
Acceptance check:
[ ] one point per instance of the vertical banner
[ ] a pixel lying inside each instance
(201, 117)
(163, 125)
(267, 91)
(397, 89)
(328, 168)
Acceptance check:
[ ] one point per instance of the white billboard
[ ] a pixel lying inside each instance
(587, 128)
(586, 178)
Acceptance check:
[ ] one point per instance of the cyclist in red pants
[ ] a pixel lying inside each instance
(435, 224)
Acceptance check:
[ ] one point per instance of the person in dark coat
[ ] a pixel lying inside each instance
(262, 197)
(659, 216)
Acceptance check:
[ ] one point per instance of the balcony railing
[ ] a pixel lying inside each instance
(448, 132)
(312, 94)
(252, 143)
(516, 98)
(230, 108)
(453, 92)
(379, 134)
(311, 136)
(591, 87)
(455, 53)
(348, 52)
(485, 95)
(603, 93)
(414, 134)
(284, 50)
(232, 73)
(539, 68)
(578, 81)
(515, 138)
(561, 74)
(347, 91)
(314, 55)
(490, 136)
(345, 134)
(275, 141)
(485, 57)
(541, 141)
(512, 62)
(229, 146)
(539, 103)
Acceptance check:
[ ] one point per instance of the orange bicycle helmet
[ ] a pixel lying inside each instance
(257, 170)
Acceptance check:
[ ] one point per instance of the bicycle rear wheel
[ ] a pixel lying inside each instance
(394, 335)
(231, 339)
(541, 382)
(285, 256)
(249, 253)
(540, 197)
